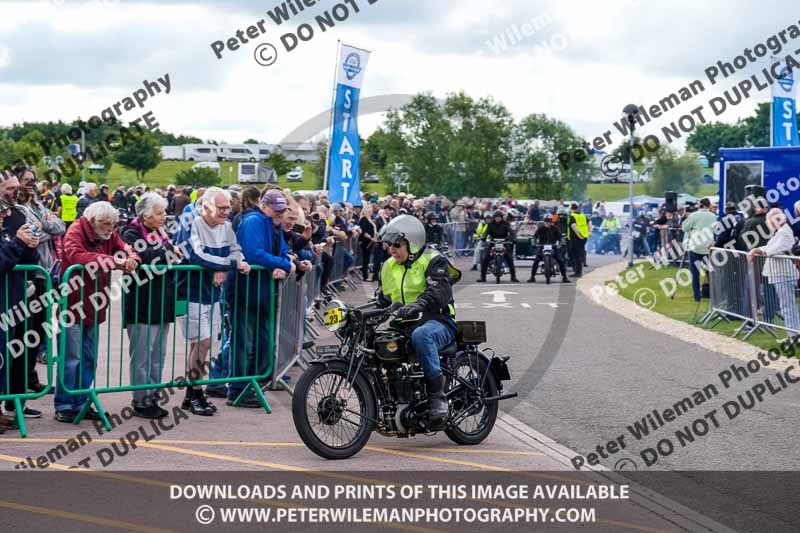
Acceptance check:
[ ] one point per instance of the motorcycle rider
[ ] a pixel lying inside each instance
(499, 229)
(421, 280)
(434, 234)
(548, 233)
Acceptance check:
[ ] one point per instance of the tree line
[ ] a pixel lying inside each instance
(455, 146)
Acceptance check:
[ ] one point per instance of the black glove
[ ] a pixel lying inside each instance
(408, 311)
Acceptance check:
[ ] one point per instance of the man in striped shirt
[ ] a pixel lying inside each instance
(212, 244)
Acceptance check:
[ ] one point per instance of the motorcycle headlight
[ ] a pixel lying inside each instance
(335, 315)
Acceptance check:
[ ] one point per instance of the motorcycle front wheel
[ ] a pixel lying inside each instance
(472, 419)
(548, 269)
(333, 418)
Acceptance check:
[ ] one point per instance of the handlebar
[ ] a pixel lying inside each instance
(381, 310)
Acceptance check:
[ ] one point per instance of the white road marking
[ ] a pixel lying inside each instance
(498, 296)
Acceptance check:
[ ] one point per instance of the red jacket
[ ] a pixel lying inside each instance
(82, 247)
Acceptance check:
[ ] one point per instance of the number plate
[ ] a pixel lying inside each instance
(328, 349)
(548, 247)
(333, 316)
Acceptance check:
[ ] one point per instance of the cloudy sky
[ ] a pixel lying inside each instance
(60, 59)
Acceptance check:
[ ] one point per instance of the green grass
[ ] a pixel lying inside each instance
(609, 192)
(683, 307)
(164, 174)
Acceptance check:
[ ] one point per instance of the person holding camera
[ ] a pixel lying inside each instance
(367, 239)
(18, 244)
(46, 226)
(297, 235)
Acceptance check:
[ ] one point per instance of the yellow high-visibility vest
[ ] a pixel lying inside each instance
(69, 207)
(582, 223)
(404, 285)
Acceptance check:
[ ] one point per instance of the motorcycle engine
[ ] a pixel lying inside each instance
(406, 391)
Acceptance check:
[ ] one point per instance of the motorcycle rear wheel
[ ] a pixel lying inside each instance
(472, 429)
(319, 413)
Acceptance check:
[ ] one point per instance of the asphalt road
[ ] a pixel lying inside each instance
(584, 374)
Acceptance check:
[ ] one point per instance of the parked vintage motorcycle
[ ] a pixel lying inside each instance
(373, 381)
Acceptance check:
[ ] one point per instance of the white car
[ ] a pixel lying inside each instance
(295, 175)
(208, 164)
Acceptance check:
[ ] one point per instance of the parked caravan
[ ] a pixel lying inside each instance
(256, 173)
(237, 152)
(200, 152)
(172, 153)
(263, 151)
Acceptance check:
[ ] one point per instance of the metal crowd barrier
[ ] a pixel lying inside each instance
(761, 291)
(26, 325)
(459, 237)
(775, 287)
(100, 361)
(730, 287)
(290, 325)
(88, 330)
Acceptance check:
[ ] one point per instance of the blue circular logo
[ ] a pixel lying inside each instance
(785, 80)
(352, 65)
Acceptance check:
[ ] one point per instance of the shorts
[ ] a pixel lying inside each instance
(197, 325)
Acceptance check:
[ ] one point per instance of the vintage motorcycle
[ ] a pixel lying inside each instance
(498, 257)
(548, 261)
(373, 381)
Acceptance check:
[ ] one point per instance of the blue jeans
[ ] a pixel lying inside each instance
(250, 327)
(693, 257)
(460, 242)
(220, 365)
(78, 373)
(428, 339)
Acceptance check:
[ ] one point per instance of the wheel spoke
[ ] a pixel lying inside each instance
(325, 410)
(466, 393)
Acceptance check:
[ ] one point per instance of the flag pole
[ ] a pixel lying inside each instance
(330, 129)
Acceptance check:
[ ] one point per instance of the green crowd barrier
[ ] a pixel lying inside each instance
(107, 372)
(20, 337)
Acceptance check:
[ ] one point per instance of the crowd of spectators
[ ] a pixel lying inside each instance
(226, 232)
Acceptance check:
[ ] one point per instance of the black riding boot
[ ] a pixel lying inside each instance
(436, 398)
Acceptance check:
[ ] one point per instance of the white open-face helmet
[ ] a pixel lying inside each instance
(404, 227)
